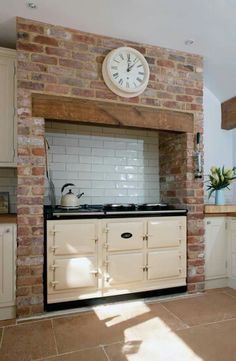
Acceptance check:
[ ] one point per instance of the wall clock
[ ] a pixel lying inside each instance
(125, 72)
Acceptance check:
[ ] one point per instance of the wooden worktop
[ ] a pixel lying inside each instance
(8, 218)
(227, 209)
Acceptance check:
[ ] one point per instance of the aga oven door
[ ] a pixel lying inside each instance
(77, 272)
(72, 259)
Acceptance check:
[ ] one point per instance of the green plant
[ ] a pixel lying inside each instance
(220, 178)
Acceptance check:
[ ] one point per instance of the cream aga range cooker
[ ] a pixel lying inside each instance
(102, 253)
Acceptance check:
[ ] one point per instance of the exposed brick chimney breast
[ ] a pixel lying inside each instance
(60, 61)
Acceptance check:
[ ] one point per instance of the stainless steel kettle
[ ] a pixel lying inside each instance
(69, 200)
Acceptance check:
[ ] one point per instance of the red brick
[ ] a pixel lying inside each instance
(32, 28)
(38, 170)
(56, 88)
(71, 81)
(37, 190)
(30, 66)
(41, 39)
(82, 38)
(58, 52)
(83, 92)
(29, 47)
(38, 152)
(45, 59)
(30, 85)
(184, 98)
(45, 78)
(166, 63)
(70, 63)
(183, 67)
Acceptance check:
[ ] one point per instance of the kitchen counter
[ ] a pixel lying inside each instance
(8, 218)
(225, 210)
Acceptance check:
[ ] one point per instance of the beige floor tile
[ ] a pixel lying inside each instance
(109, 324)
(28, 342)
(7, 322)
(213, 342)
(94, 354)
(84, 331)
(204, 308)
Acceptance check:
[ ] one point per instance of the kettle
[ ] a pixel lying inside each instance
(69, 200)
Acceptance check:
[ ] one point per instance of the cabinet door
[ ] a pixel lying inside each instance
(124, 268)
(7, 264)
(165, 232)
(74, 273)
(215, 247)
(164, 264)
(7, 81)
(74, 238)
(124, 235)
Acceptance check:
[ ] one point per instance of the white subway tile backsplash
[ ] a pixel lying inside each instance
(103, 152)
(107, 164)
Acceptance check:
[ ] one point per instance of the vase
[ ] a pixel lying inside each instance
(219, 197)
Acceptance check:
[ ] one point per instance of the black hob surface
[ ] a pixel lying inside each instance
(113, 209)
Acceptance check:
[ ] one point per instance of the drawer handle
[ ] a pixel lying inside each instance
(95, 273)
(54, 266)
(53, 283)
(7, 230)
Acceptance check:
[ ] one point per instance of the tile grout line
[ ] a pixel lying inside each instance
(229, 294)
(173, 314)
(103, 348)
(68, 353)
(54, 336)
(1, 341)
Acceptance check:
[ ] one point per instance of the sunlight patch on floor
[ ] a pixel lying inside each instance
(120, 312)
(167, 347)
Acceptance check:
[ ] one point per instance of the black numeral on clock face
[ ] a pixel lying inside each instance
(121, 81)
(139, 80)
(115, 75)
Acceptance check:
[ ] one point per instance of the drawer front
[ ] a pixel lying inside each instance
(164, 265)
(125, 268)
(80, 272)
(165, 233)
(124, 235)
(74, 238)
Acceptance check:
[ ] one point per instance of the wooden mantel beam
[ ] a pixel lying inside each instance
(109, 113)
(228, 108)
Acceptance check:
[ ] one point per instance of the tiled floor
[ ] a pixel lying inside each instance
(197, 328)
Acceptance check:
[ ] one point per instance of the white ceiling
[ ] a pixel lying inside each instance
(167, 23)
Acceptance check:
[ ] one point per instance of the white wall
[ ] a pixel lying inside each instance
(107, 164)
(218, 143)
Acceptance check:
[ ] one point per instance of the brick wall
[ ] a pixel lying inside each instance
(56, 60)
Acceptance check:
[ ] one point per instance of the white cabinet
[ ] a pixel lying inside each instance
(215, 252)
(94, 258)
(7, 106)
(7, 270)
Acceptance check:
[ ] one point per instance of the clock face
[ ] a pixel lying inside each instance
(126, 72)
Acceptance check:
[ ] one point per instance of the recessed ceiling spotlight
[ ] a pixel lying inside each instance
(189, 42)
(31, 5)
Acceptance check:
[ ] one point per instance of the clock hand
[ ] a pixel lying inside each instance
(131, 66)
